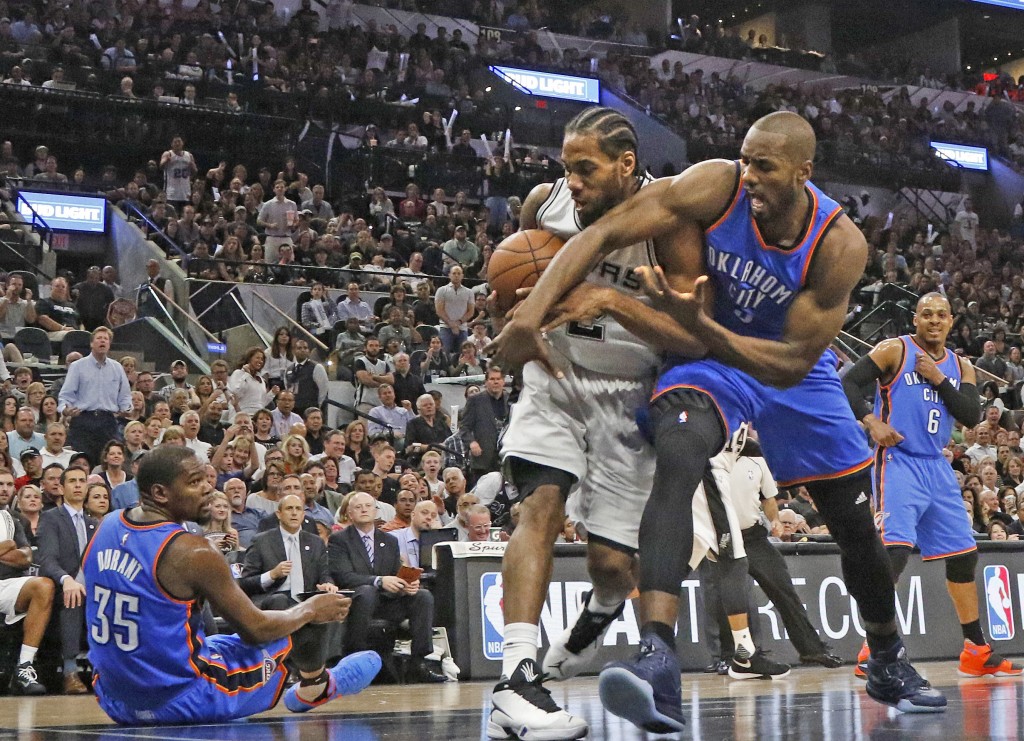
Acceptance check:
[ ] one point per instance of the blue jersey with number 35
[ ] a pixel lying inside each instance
(142, 640)
(912, 405)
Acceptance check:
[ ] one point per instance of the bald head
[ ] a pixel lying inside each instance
(796, 137)
(932, 299)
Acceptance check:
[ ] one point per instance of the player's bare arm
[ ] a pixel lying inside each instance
(813, 321)
(191, 568)
(696, 195)
(532, 204)
(681, 257)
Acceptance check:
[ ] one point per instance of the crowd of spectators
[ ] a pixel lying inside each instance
(261, 428)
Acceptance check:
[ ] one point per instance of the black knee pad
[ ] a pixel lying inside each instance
(685, 412)
(898, 557)
(961, 569)
(527, 476)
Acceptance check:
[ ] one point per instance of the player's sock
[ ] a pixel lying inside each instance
(972, 632)
(663, 631)
(28, 654)
(596, 606)
(313, 689)
(745, 647)
(520, 643)
(70, 667)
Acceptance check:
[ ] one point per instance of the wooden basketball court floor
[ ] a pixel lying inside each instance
(812, 703)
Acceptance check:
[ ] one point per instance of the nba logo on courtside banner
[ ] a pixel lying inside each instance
(997, 597)
(491, 596)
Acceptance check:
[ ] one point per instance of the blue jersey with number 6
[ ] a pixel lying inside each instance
(142, 641)
(911, 405)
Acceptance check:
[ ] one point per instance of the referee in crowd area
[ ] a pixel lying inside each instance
(95, 390)
(752, 484)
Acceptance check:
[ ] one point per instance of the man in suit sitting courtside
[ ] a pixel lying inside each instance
(367, 560)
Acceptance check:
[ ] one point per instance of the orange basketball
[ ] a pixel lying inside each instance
(518, 262)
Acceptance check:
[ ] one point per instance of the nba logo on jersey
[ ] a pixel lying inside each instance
(491, 595)
(997, 597)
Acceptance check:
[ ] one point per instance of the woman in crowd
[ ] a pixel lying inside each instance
(154, 432)
(8, 413)
(257, 270)
(34, 398)
(999, 531)
(229, 256)
(332, 494)
(247, 384)
(265, 501)
(357, 444)
(173, 435)
(134, 441)
(436, 363)
(1013, 471)
(48, 413)
(263, 428)
(138, 412)
(296, 453)
(30, 505)
(468, 363)
(112, 464)
(280, 359)
(131, 369)
(218, 530)
(205, 392)
(97, 501)
(990, 396)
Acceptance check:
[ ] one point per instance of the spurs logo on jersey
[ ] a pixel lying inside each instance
(603, 346)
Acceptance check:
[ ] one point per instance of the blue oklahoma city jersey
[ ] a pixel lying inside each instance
(142, 641)
(912, 405)
(755, 286)
(755, 283)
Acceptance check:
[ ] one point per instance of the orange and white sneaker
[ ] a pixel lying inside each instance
(860, 669)
(980, 661)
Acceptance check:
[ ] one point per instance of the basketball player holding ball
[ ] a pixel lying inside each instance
(574, 429)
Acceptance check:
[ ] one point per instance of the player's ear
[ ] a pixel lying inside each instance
(627, 163)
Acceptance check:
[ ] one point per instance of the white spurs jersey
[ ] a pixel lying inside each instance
(603, 346)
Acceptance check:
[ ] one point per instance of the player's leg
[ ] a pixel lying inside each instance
(33, 598)
(521, 705)
(609, 503)
(319, 684)
(688, 432)
(844, 505)
(542, 453)
(613, 570)
(947, 535)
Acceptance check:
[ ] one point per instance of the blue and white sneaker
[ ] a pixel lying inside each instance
(645, 690)
(894, 682)
(349, 676)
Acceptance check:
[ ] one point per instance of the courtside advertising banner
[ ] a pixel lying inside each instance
(469, 580)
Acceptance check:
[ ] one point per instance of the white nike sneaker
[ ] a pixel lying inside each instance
(521, 707)
(574, 649)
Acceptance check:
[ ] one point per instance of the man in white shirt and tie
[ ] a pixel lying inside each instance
(284, 562)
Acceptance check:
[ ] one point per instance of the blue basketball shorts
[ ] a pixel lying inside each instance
(234, 680)
(807, 432)
(918, 503)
